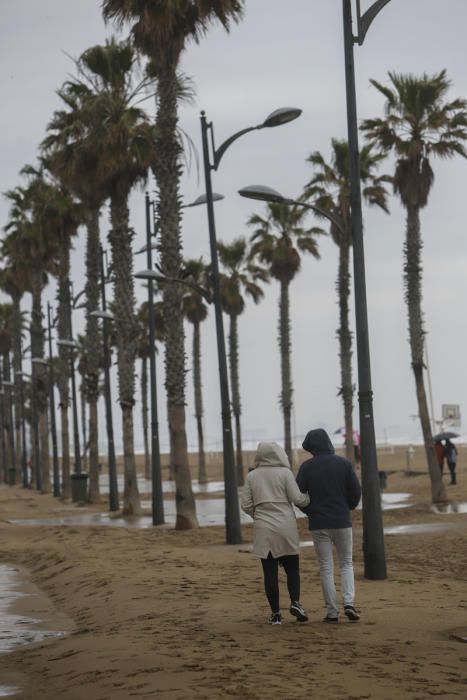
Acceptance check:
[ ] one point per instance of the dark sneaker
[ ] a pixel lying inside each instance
(297, 610)
(351, 614)
(275, 619)
(331, 620)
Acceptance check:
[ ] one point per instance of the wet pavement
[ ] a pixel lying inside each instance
(144, 485)
(422, 528)
(210, 511)
(451, 507)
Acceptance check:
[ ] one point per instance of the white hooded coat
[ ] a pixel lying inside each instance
(269, 492)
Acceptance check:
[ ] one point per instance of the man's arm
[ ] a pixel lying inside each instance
(354, 490)
(303, 486)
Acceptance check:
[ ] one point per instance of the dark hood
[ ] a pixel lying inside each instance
(318, 443)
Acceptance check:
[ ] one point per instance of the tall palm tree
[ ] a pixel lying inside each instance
(329, 189)
(15, 281)
(195, 311)
(240, 277)
(122, 138)
(277, 241)
(7, 438)
(36, 245)
(419, 124)
(161, 30)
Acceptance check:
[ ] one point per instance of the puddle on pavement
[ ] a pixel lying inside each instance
(8, 691)
(420, 528)
(144, 485)
(451, 507)
(210, 511)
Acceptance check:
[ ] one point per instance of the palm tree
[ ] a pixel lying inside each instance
(122, 138)
(7, 438)
(195, 311)
(419, 124)
(240, 277)
(161, 30)
(329, 189)
(15, 281)
(37, 246)
(276, 242)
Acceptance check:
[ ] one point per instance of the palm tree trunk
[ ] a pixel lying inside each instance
(145, 414)
(345, 346)
(286, 377)
(92, 345)
(235, 385)
(167, 170)
(413, 284)
(197, 386)
(63, 365)
(126, 333)
(40, 379)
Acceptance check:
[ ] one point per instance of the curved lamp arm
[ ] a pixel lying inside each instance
(268, 194)
(364, 21)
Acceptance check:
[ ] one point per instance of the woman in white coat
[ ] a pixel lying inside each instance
(269, 492)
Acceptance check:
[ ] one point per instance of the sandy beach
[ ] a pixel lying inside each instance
(156, 613)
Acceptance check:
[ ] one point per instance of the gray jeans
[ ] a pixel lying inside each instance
(342, 539)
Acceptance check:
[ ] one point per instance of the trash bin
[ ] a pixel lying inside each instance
(11, 476)
(383, 477)
(79, 490)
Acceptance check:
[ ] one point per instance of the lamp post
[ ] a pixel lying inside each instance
(373, 536)
(2, 435)
(78, 475)
(112, 465)
(53, 424)
(211, 160)
(24, 455)
(156, 469)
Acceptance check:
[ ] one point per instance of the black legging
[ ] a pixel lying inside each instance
(290, 563)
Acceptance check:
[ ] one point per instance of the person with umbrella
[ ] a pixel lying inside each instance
(440, 454)
(451, 458)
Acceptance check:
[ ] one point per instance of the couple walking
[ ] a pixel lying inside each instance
(326, 489)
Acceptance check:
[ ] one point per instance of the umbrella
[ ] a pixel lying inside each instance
(448, 435)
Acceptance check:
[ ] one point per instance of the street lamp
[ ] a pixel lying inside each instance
(156, 468)
(211, 161)
(112, 465)
(372, 515)
(78, 475)
(268, 194)
(24, 456)
(373, 535)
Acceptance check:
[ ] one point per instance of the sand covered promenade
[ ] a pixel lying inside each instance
(175, 615)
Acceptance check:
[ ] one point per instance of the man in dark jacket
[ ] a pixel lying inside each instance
(334, 491)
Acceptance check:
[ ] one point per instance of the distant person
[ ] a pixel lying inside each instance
(269, 492)
(334, 491)
(440, 454)
(450, 451)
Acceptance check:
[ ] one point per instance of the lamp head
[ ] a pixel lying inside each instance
(67, 343)
(281, 116)
(263, 194)
(39, 361)
(103, 314)
(202, 199)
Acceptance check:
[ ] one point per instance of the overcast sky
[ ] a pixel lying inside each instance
(282, 54)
